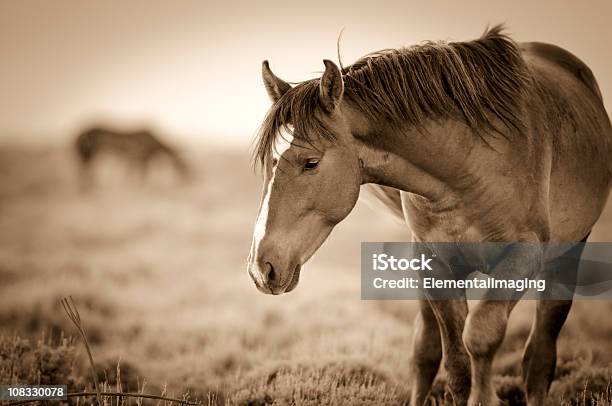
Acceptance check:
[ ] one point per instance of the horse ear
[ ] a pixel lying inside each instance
(275, 86)
(331, 86)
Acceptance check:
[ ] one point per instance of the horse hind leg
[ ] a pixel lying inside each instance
(540, 356)
(426, 354)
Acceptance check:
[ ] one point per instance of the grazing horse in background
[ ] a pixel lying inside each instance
(138, 148)
(485, 141)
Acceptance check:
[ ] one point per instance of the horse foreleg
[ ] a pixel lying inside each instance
(426, 353)
(451, 316)
(86, 176)
(143, 164)
(484, 332)
(486, 325)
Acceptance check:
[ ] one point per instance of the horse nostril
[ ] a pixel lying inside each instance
(269, 273)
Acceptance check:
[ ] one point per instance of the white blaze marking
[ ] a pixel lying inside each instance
(283, 143)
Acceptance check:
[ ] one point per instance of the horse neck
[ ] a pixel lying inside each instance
(427, 162)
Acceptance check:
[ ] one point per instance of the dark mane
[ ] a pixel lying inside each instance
(480, 82)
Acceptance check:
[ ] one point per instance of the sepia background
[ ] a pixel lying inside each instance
(157, 267)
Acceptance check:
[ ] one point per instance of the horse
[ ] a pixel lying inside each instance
(138, 148)
(487, 140)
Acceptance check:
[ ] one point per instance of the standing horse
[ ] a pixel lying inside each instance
(138, 148)
(487, 141)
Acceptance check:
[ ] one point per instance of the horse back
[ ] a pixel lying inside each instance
(564, 59)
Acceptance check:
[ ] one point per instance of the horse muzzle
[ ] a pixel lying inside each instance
(269, 279)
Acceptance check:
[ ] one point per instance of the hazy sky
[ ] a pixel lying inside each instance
(192, 68)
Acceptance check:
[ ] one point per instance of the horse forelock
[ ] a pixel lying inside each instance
(296, 112)
(481, 82)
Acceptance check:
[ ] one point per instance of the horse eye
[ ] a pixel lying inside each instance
(310, 164)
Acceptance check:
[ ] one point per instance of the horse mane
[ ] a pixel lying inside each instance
(480, 82)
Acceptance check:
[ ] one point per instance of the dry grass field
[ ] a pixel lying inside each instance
(158, 272)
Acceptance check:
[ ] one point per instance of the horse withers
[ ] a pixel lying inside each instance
(485, 141)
